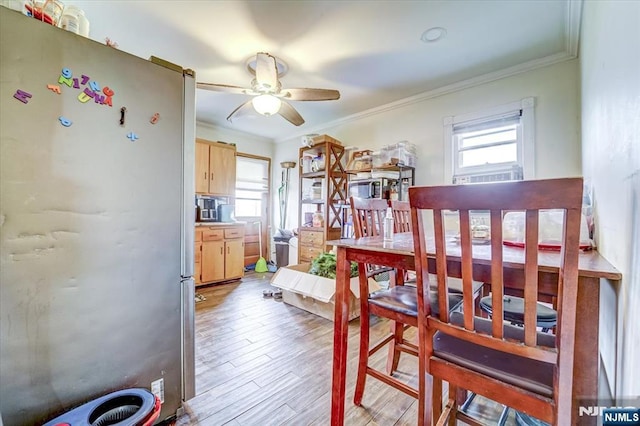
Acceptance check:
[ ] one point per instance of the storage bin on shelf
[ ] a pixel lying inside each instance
(400, 153)
(360, 161)
(403, 153)
(380, 158)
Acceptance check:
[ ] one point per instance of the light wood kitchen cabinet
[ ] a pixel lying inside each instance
(213, 259)
(202, 168)
(222, 253)
(215, 168)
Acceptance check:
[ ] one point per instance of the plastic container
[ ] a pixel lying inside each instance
(49, 11)
(73, 20)
(403, 152)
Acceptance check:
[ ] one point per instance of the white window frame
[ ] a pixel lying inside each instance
(526, 138)
(264, 182)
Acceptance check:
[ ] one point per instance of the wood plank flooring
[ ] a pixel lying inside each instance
(262, 362)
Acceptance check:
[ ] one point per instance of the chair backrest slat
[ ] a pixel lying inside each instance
(497, 274)
(441, 266)
(531, 276)
(467, 268)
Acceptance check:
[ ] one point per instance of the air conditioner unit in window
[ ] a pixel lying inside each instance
(514, 173)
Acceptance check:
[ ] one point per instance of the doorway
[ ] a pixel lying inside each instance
(252, 204)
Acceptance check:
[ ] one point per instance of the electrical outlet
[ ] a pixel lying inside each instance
(157, 388)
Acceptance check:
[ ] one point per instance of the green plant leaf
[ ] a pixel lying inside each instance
(325, 266)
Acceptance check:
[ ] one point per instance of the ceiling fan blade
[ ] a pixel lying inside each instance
(224, 88)
(304, 94)
(241, 111)
(266, 72)
(290, 114)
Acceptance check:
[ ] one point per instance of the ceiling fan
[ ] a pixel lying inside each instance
(269, 97)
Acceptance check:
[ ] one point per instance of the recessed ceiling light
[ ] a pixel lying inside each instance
(433, 34)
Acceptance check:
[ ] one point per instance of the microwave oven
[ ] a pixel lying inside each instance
(365, 188)
(206, 209)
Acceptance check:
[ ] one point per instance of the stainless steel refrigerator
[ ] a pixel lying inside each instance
(96, 223)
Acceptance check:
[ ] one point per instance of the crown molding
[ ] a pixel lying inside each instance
(232, 133)
(455, 87)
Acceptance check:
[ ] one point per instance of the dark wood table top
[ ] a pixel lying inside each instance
(590, 263)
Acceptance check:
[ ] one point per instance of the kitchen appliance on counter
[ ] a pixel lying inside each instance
(86, 268)
(225, 213)
(206, 209)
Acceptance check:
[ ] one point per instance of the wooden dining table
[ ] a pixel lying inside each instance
(399, 254)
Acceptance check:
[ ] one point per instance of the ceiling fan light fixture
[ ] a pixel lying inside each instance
(266, 104)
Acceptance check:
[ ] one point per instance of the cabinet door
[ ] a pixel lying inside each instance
(234, 258)
(212, 261)
(202, 168)
(222, 170)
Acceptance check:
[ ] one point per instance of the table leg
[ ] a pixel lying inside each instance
(586, 353)
(340, 334)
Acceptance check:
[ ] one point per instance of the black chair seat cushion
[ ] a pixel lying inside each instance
(535, 376)
(404, 299)
(514, 311)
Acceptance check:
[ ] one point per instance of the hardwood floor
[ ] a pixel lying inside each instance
(262, 362)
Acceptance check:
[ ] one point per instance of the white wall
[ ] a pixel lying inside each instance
(610, 83)
(245, 143)
(555, 88)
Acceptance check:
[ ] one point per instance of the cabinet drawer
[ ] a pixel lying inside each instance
(198, 235)
(311, 238)
(234, 233)
(308, 253)
(212, 234)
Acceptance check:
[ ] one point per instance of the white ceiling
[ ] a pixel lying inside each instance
(368, 50)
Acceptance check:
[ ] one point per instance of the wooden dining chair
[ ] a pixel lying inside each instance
(401, 215)
(519, 367)
(398, 303)
(402, 223)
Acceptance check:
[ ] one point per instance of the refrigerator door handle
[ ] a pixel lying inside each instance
(188, 293)
(188, 174)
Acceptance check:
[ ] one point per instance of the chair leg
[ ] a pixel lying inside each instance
(397, 329)
(437, 399)
(363, 358)
(427, 396)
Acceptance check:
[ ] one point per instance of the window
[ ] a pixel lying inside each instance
(495, 145)
(252, 186)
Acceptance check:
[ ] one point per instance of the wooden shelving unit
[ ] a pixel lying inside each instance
(323, 192)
